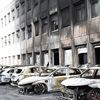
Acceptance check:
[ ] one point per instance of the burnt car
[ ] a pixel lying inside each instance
(23, 72)
(86, 87)
(49, 80)
(5, 75)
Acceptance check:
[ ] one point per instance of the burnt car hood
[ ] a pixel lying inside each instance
(78, 82)
(31, 79)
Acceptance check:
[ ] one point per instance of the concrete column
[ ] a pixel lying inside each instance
(89, 45)
(61, 56)
(74, 50)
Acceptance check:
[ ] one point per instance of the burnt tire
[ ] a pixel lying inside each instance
(70, 94)
(40, 88)
(93, 94)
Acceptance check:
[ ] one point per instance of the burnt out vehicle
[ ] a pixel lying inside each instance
(47, 81)
(86, 87)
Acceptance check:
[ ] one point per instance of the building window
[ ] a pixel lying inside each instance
(18, 57)
(5, 40)
(35, 3)
(83, 58)
(65, 17)
(97, 57)
(2, 60)
(13, 37)
(37, 58)
(29, 58)
(54, 22)
(1, 42)
(9, 18)
(82, 55)
(2, 22)
(36, 28)
(95, 6)
(68, 57)
(28, 5)
(22, 8)
(17, 11)
(44, 25)
(9, 58)
(29, 30)
(13, 59)
(17, 35)
(9, 39)
(5, 60)
(5, 20)
(13, 14)
(80, 12)
(23, 33)
(24, 59)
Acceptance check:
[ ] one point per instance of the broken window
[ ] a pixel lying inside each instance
(28, 5)
(5, 20)
(13, 60)
(1, 42)
(24, 59)
(29, 58)
(65, 17)
(17, 11)
(13, 14)
(22, 8)
(18, 35)
(2, 22)
(13, 37)
(56, 56)
(82, 55)
(5, 40)
(23, 33)
(44, 25)
(45, 59)
(9, 58)
(83, 58)
(37, 58)
(68, 57)
(95, 6)
(97, 55)
(54, 22)
(29, 30)
(9, 39)
(36, 28)
(9, 18)
(80, 12)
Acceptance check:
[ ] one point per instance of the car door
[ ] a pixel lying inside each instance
(56, 78)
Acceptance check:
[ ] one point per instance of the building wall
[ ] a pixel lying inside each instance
(64, 31)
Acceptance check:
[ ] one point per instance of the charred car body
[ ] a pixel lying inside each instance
(49, 80)
(23, 72)
(87, 87)
(5, 75)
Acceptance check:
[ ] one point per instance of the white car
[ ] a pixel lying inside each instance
(5, 76)
(49, 80)
(86, 87)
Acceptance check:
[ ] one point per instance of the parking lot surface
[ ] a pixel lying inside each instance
(8, 92)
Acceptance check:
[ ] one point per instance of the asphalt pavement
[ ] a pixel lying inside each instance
(8, 92)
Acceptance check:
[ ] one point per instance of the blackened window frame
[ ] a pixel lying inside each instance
(44, 25)
(65, 21)
(79, 6)
(54, 23)
(29, 30)
(36, 28)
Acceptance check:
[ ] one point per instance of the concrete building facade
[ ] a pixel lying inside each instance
(58, 32)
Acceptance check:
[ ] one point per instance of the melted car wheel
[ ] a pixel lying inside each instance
(94, 94)
(40, 88)
(70, 94)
